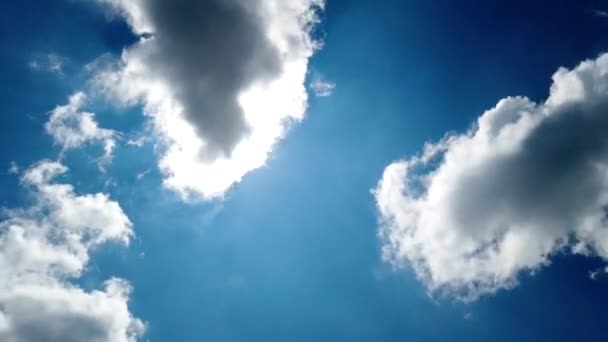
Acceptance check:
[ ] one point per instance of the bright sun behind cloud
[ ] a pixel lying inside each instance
(269, 102)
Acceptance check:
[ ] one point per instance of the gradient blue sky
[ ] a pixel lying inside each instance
(291, 254)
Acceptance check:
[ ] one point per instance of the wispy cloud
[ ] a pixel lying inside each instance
(71, 127)
(323, 88)
(13, 168)
(142, 174)
(50, 62)
(602, 272)
(600, 13)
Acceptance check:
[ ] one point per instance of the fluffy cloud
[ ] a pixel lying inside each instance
(221, 79)
(70, 128)
(529, 179)
(43, 248)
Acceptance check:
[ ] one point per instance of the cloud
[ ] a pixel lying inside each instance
(602, 272)
(46, 246)
(70, 128)
(13, 168)
(600, 13)
(474, 210)
(323, 88)
(142, 174)
(221, 80)
(137, 142)
(51, 62)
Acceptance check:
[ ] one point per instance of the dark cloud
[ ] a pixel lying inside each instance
(221, 80)
(34, 325)
(209, 51)
(553, 177)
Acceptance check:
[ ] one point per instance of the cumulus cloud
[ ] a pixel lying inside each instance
(47, 245)
(530, 179)
(221, 79)
(323, 88)
(71, 127)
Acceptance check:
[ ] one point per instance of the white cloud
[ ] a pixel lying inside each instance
(476, 209)
(142, 174)
(323, 88)
(43, 248)
(70, 128)
(219, 102)
(137, 142)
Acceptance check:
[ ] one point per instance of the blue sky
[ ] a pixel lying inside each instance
(291, 252)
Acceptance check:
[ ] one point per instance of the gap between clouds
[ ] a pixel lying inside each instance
(474, 210)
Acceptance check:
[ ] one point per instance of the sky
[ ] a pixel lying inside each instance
(339, 170)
